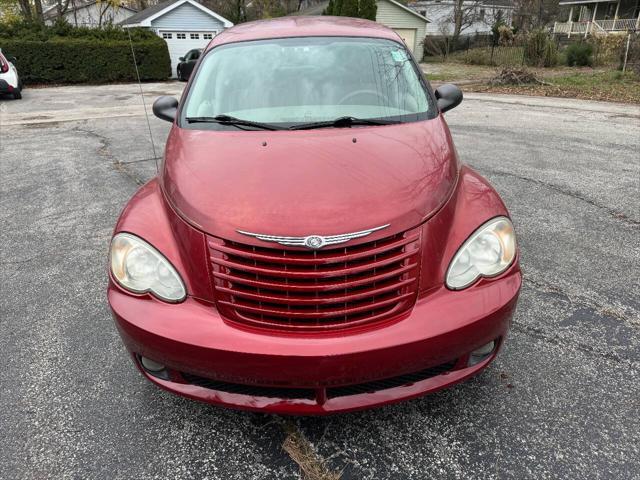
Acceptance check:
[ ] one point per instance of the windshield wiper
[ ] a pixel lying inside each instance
(341, 122)
(229, 120)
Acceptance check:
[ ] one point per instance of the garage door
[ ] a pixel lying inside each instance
(408, 35)
(180, 43)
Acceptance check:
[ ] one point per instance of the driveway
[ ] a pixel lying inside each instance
(561, 401)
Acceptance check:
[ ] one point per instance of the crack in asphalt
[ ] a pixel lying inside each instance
(570, 193)
(23, 260)
(610, 311)
(104, 151)
(542, 334)
(141, 160)
(554, 338)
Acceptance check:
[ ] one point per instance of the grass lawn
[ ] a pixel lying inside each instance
(483, 56)
(587, 83)
(456, 72)
(611, 86)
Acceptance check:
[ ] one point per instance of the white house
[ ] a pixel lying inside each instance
(479, 15)
(184, 25)
(409, 24)
(92, 13)
(586, 17)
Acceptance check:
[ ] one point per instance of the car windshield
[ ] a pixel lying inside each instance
(295, 81)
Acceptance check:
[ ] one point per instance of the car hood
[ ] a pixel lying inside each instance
(315, 182)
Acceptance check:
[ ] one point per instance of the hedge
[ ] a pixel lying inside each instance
(36, 31)
(74, 60)
(65, 54)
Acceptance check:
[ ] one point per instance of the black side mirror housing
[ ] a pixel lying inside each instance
(12, 60)
(166, 108)
(449, 96)
(181, 59)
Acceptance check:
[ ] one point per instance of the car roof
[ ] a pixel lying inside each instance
(313, 26)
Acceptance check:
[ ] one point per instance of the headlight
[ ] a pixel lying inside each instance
(140, 268)
(487, 253)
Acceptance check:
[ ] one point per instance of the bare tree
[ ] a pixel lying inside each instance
(234, 10)
(535, 13)
(31, 10)
(106, 8)
(62, 6)
(38, 9)
(103, 7)
(75, 12)
(465, 14)
(25, 9)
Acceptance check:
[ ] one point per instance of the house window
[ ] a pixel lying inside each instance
(167, 35)
(195, 36)
(207, 36)
(181, 36)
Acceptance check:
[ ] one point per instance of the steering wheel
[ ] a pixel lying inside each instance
(371, 93)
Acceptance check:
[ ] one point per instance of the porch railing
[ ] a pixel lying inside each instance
(620, 24)
(587, 27)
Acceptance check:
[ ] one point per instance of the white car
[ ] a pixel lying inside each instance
(9, 80)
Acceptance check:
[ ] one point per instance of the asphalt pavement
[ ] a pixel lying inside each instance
(561, 401)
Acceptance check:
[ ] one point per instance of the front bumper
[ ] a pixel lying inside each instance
(441, 330)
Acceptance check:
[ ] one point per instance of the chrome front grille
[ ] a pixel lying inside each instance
(315, 290)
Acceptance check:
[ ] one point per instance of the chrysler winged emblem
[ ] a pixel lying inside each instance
(313, 241)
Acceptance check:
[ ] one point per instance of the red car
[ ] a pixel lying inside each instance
(312, 244)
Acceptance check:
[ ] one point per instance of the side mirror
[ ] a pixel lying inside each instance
(449, 96)
(181, 59)
(166, 108)
(12, 60)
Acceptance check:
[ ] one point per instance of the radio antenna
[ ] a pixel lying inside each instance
(144, 105)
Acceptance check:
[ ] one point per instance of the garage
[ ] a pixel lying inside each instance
(408, 35)
(409, 24)
(183, 24)
(180, 42)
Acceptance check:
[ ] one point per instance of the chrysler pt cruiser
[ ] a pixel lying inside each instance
(312, 243)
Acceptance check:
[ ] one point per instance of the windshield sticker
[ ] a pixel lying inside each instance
(399, 55)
